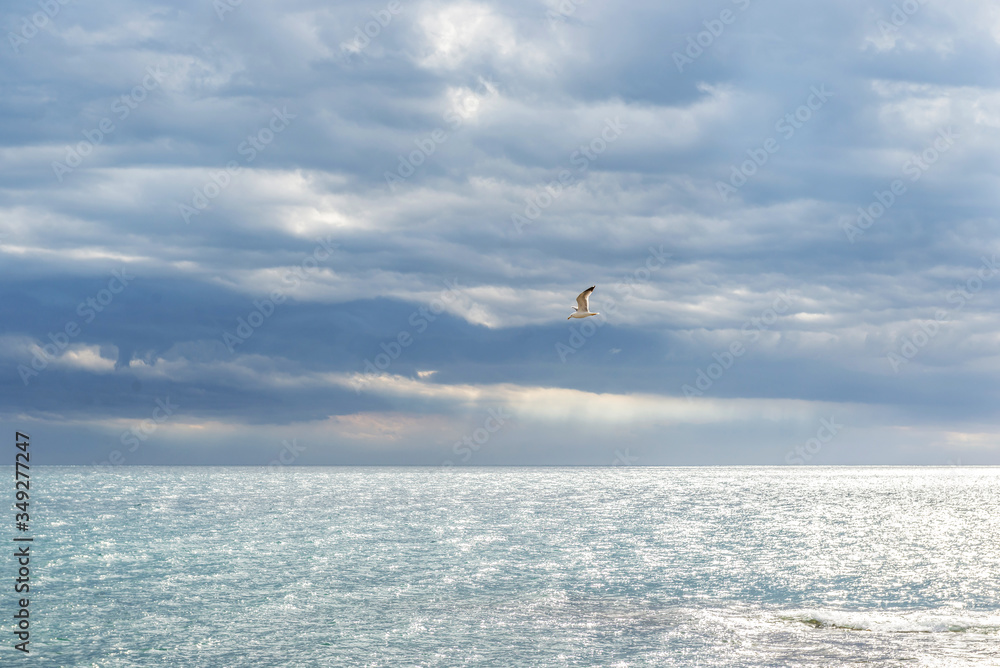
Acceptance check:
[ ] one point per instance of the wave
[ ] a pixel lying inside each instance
(885, 621)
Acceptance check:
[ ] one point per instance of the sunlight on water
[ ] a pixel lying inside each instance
(516, 567)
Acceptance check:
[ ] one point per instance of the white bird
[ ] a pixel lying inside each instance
(582, 307)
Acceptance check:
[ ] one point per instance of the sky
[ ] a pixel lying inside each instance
(309, 233)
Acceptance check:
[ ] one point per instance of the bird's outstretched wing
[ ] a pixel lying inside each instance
(583, 301)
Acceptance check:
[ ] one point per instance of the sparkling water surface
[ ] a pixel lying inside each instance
(622, 567)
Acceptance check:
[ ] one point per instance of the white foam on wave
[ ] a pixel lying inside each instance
(888, 621)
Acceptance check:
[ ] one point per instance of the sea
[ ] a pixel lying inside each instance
(613, 566)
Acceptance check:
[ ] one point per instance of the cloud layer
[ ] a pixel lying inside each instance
(361, 227)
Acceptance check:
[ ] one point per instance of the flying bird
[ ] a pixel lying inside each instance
(582, 307)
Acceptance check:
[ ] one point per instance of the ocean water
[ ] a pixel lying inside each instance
(621, 567)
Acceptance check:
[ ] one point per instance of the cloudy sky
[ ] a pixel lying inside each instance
(350, 233)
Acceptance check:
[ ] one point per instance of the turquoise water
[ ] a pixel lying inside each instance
(512, 567)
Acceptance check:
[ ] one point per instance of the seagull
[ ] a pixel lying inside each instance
(582, 307)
